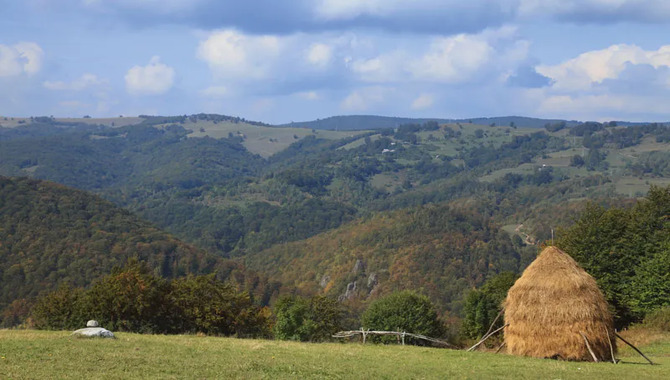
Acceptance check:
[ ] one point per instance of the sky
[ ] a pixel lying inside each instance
(295, 60)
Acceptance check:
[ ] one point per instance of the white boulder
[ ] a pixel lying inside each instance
(93, 332)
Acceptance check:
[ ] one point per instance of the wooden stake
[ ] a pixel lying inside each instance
(494, 322)
(595, 359)
(609, 340)
(486, 337)
(633, 347)
(501, 346)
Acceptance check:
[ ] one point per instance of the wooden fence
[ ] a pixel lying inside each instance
(400, 334)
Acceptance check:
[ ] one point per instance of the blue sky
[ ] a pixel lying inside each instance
(282, 61)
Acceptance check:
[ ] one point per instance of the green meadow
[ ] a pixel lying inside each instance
(29, 354)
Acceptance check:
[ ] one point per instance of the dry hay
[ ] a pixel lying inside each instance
(551, 305)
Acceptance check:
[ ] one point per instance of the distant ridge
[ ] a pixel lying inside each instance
(362, 122)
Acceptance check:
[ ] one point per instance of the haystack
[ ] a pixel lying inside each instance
(552, 307)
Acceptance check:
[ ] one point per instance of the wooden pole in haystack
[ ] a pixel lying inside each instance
(609, 340)
(588, 346)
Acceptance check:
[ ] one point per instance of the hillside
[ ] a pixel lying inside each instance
(438, 249)
(51, 234)
(197, 176)
(363, 122)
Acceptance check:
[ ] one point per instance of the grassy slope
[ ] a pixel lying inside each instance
(264, 141)
(41, 354)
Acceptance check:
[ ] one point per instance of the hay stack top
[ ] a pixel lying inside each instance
(551, 305)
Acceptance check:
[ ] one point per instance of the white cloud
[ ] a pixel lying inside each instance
(153, 79)
(216, 92)
(423, 101)
(364, 98)
(453, 59)
(21, 58)
(231, 54)
(593, 67)
(448, 59)
(309, 95)
(319, 54)
(387, 67)
(85, 81)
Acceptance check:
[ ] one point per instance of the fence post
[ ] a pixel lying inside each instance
(403, 338)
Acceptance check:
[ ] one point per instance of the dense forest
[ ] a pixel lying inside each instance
(51, 235)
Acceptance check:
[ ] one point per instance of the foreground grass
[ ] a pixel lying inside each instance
(42, 354)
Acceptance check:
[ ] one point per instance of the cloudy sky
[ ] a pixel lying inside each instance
(281, 61)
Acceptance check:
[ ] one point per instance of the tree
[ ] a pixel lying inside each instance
(626, 251)
(130, 299)
(404, 311)
(576, 161)
(302, 319)
(210, 306)
(483, 305)
(59, 310)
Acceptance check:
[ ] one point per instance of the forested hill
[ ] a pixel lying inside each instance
(51, 234)
(365, 122)
(439, 249)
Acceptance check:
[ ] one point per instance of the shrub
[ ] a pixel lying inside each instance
(210, 306)
(59, 310)
(658, 319)
(130, 299)
(483, 305)
(403, 311)
(302, 319)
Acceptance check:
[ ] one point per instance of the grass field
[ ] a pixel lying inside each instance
(27, 354)
(264, 141)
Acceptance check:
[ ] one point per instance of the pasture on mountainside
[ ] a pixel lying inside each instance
(48, 354)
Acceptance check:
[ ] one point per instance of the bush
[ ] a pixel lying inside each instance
(483, 305)
(207, 305)
(403, 311)
(130, 299)
(658, 319)
(315, 319)
(133, 299)
(59, 310)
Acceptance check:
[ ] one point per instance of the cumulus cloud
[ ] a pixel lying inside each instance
(21, 58)
(309, 95)
(85, 81)
(447, 59)
(319, 54)
(216, 92)
(231, 54)
(593, 67)
(364, 98)
(619, 82)
(423, 101)
(453, 59)
(153, 79)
